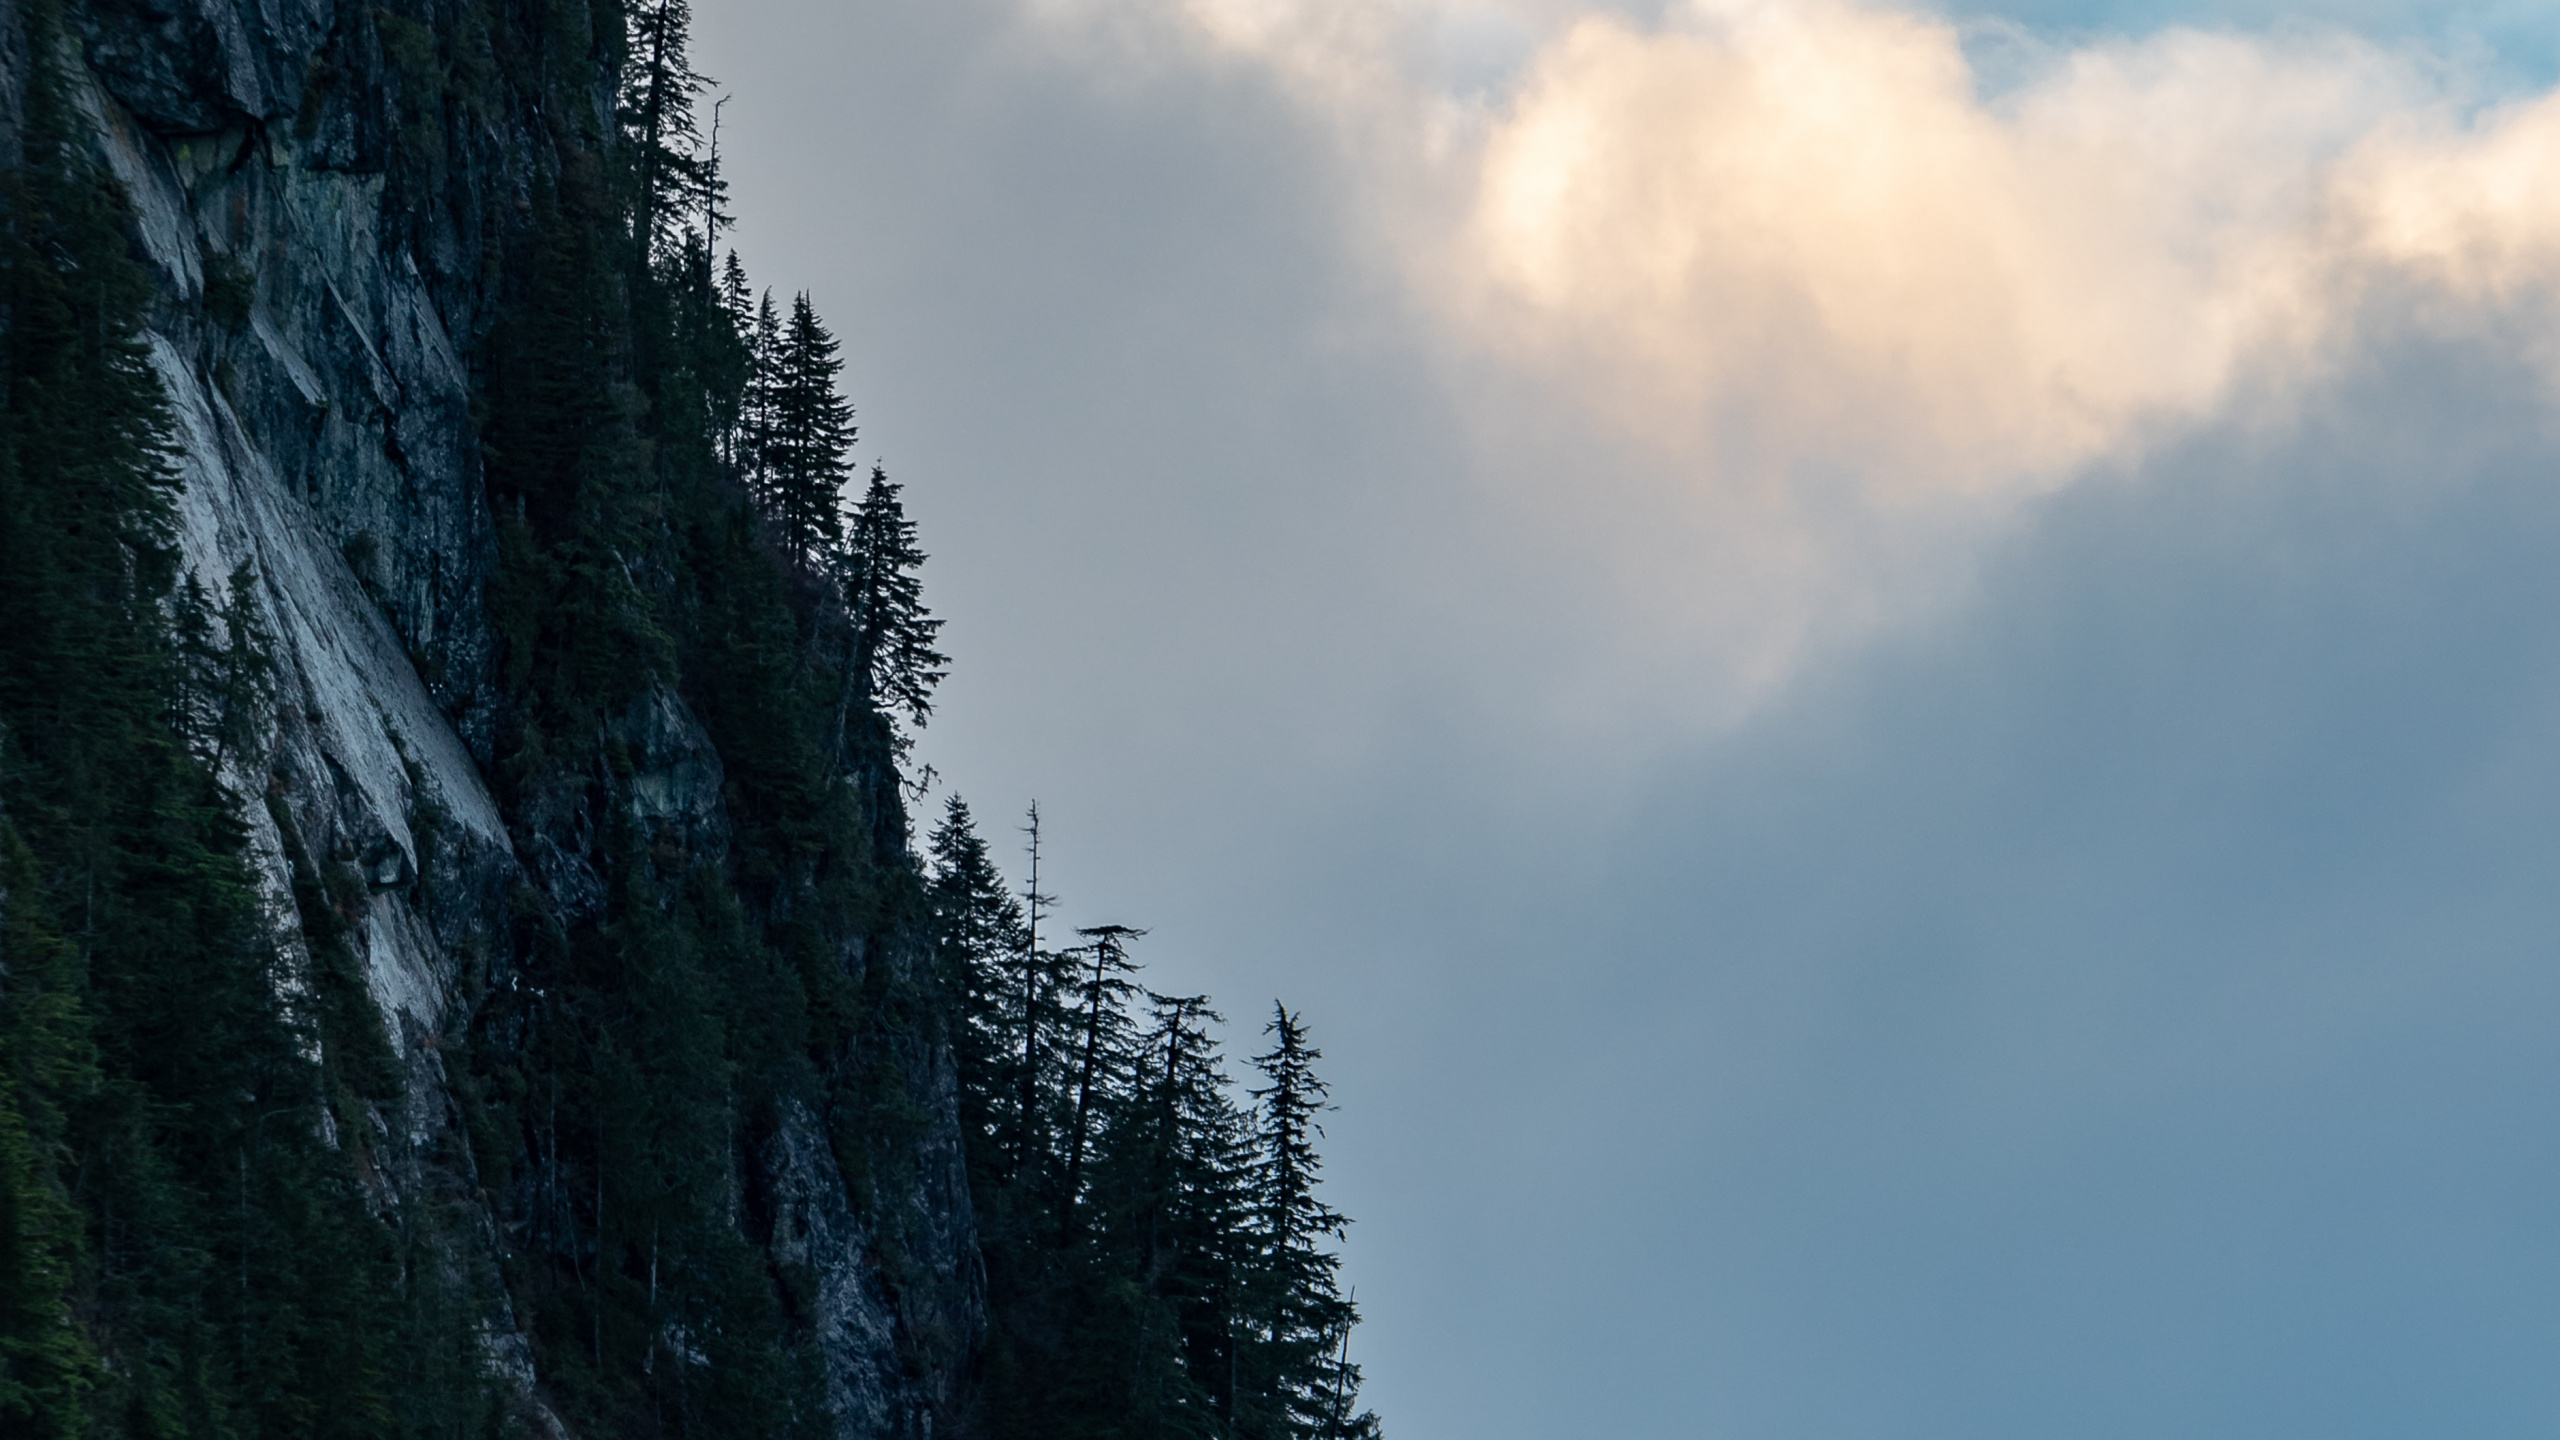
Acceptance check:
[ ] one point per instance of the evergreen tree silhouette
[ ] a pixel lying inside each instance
(891, 666)
(979, 930)
(1041, 980)
(754, 443)
(670, 173)
(1102, 993)
(810, 430)
(734, 386)
(1186, 1217)
(1304, 1380)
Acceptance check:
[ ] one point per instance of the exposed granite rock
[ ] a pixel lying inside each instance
(205, 65)
(813, 1220)
(671, 776)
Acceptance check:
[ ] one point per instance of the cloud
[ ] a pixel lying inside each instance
(2107, 1013)
(1800, 233)
(1834, 302)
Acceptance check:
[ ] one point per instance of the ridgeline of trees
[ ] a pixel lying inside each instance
(1156, 1250)
(195, 1240)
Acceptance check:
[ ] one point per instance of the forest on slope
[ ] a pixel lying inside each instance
(730, 1112)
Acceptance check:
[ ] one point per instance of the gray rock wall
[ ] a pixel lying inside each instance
(324, 268)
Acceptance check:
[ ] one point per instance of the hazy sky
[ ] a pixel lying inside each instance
(1889, 680)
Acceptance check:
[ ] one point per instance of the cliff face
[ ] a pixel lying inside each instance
(327, 195)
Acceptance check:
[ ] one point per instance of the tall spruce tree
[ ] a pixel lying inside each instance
(1307, 1387)
(805, 451)
(733, 389)
(891, 666)
(754, 442)
(1184, 1162)
(978, 932)
(1041, 981)
(1101, 998)
(672, 176)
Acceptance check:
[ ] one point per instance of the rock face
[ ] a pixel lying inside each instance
(324, 262)
(198, 66)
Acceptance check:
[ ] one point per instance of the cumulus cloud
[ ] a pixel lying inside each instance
(1806, 219)
(1837, 301)
(1804, 224)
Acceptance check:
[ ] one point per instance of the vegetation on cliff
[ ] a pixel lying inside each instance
(195, 1238)
(185, 1246)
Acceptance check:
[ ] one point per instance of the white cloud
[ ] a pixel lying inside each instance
(1802, 224)
(1835, 306)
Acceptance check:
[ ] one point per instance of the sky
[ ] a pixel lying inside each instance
(1886, 678)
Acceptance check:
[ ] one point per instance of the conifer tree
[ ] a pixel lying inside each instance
(48, 1060)
(1103, 990)
(891, 665)
(702, 365)
(1307, 1387)
(736, 296)
(979, 930)
(1041, 980)
(811, 430)
(1189, 1216)
(226, 666)
(756, 423)
(1157, 1253)
(732, 393)
(655, 111)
